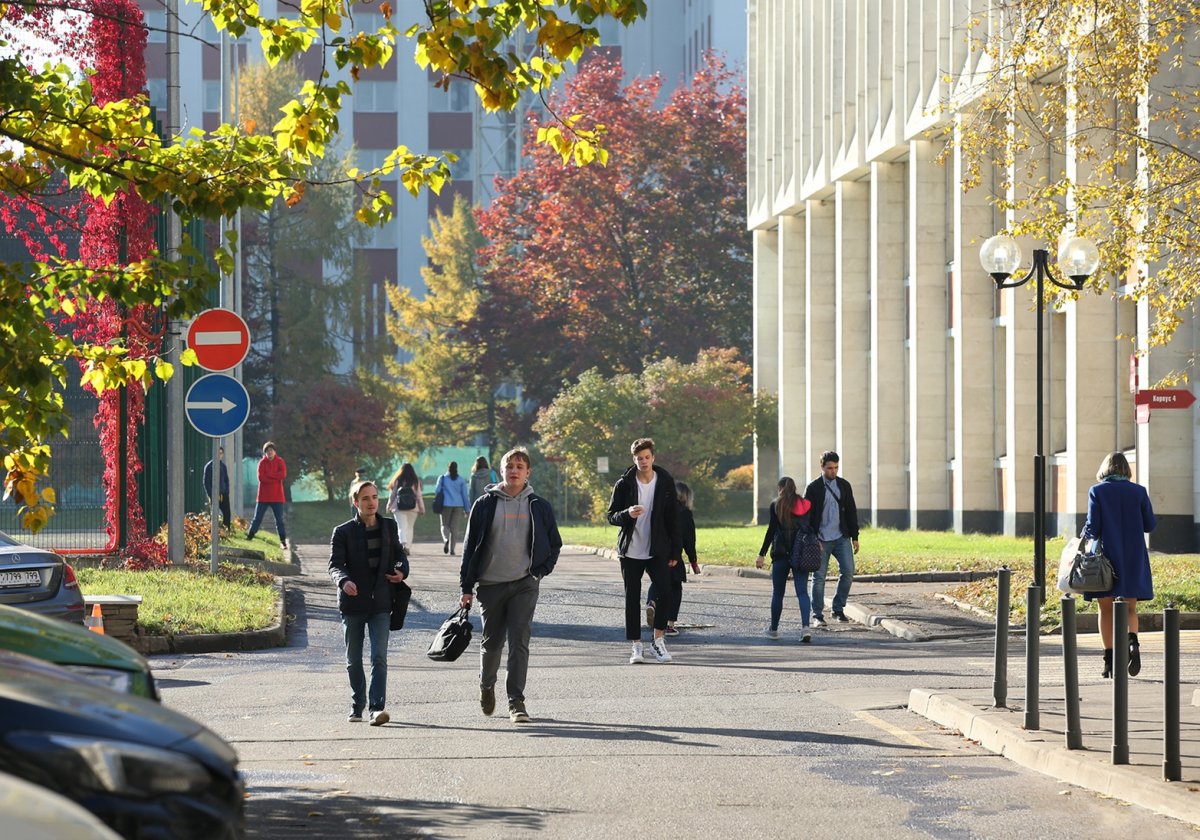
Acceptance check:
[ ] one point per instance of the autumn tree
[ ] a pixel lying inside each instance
(611, 268)
(442, 398)
(298, 264)
(697, 412)
(52, 125)
(1083, 117)
(328, 430)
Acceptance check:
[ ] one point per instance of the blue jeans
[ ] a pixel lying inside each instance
(844, 552)
(260, 510)
(355, 626)
(779, 576)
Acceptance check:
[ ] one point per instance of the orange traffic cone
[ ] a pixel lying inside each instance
(95, 621)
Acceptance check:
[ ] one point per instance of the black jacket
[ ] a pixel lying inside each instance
(545, 542)
(847, 516)
(348, 561)
(666, 538)
(687, 532)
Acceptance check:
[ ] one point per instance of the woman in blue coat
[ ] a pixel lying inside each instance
(1119, 515)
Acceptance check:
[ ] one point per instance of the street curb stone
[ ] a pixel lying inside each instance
(1032, 750)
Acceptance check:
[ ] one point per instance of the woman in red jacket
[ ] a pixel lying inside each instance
(271, 473)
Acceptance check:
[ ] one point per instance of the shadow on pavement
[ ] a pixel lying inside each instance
(282, 812)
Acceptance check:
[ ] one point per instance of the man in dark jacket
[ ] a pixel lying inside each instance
(644, 506)
(512, 542)
(365, 559)
(835, 517)
(223, 485)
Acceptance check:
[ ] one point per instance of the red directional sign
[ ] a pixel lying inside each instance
(220, 338)
(1165, 398)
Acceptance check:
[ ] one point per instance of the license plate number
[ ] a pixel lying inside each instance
(23, 578)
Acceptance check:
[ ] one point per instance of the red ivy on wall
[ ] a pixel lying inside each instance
(111, 39)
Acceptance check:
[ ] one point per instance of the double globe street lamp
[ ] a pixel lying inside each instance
(1078, 259)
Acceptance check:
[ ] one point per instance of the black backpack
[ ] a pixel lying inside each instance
(406, 498)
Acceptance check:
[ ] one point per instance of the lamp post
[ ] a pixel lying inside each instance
(1078, 259)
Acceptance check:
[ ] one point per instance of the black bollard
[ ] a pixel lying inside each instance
(1000, 678)
(1074, 731)
(1120, 707)
(1033, 640)
(1172, 770)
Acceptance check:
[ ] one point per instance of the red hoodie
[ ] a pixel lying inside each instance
(271, 472)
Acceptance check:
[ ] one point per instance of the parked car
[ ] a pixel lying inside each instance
(38, 580)
(101, 658)
(31, 812)
(147, 772)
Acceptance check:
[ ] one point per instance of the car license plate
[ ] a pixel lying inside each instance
(22, 578)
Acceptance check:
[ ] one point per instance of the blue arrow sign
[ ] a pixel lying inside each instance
(217, 405)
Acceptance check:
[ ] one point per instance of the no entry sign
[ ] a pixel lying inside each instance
(220, 339)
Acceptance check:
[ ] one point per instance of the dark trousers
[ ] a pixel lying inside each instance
(669, 602)
(632, 571)
(507, 612)
(223, 504)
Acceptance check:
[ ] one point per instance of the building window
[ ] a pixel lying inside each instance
(461, 169)
(374, 97)
(156, 91)
(458, 98)
(212, 96)
(156, 26)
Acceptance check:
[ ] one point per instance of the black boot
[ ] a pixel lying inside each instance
(1135, 655)
(1108, 653)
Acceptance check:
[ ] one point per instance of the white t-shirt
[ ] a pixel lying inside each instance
(639, 546)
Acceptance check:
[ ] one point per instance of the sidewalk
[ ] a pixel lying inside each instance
(1141, 781)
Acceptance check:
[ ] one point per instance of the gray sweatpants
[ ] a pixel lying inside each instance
(507, 612)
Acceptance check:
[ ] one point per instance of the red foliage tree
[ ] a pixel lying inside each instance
(616, 266)
(330, 428)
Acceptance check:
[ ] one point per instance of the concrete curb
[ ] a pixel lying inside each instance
(1031, 749)
(269, 637)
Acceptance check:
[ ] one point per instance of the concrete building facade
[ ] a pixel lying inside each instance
(874, 324)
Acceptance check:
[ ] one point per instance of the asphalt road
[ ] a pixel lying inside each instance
(740, 737)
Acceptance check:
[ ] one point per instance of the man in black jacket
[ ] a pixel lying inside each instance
(365, 559)
(222, 484)
(643, 505)
(512, 542)
(835, 517)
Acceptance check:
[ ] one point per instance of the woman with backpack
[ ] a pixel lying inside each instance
(405, 502)
(481, 477)
(789, 515)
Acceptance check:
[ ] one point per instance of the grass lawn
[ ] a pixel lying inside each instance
(186, 601)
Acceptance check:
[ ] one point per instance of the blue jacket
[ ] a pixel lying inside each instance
(348, 561)
(545, 542)
(1119, 515)
(454, 492)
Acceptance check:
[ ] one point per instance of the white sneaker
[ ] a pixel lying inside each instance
(659, 646)
(818, 621)
(806, 636)
(636, 656)
(771, 634)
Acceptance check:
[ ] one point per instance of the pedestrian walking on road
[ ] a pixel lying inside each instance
(1120, 515)
(481, 476)
(405, 502)
(223, 488)
(789, 514)
(271, 473)
(512, 542)
(835, 516)
(456, 504)
(643, 505)
(674, 598)
(365, 558)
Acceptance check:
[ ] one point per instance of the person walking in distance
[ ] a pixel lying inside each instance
(835, 517)
(644, 507)
(1119, 514)
(271, 473)
(481, 476)
(223, 488)
(674, 599)
(789, 514)
(365, 558)
(512, 542)
(456, 504)
(405, 502)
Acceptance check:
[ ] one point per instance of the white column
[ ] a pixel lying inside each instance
(793, 375)
(766, 361)
(852, 333)
(820, 374)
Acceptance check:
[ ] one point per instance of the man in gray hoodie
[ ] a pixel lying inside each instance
(512, 542)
